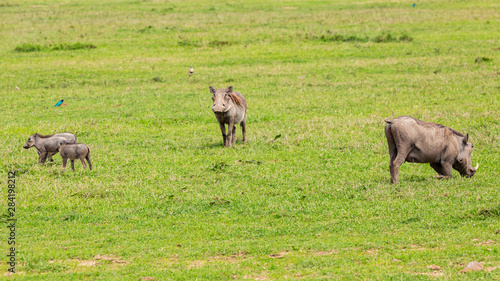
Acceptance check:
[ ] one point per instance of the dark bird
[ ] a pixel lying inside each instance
(59, 103)
(191, 71)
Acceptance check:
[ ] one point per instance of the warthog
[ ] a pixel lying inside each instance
(413, 140)
(229, 108)
(47, 145)
(74, 151)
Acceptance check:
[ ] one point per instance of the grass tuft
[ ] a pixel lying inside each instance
(189, 43)
(491, 212)
(27, 47)
(387, 37)
(383, 37)
(482, 59)
(217, 43)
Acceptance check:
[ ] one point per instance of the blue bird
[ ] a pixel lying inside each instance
(413, 5)
(59, 103)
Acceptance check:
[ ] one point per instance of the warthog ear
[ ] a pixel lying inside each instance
(466, 138)
(212, 90)
(230, 89)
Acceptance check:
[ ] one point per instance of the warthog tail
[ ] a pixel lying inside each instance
(387, 119)
(88, 158)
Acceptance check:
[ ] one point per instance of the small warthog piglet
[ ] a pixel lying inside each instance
(74, 151)
(47, 145)
(229, 108)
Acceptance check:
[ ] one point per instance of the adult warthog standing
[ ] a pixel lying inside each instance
(47, 145)
(413, 140)
(229, 108)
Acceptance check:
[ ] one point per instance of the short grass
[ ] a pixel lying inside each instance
(308, 197)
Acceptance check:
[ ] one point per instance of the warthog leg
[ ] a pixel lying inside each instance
(50, 156)
(234, 134)
(65, 161)
(42, 157)
(244, 130)
(88, 160)
(397, 153)
(444, 172)
(394, 167)
(73, 165)
(223, 130)
(229, 132)
(83, 162)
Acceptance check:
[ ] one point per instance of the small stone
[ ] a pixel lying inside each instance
(396, 260)
(473, 266)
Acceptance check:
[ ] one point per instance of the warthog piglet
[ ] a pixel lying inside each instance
(74, 151)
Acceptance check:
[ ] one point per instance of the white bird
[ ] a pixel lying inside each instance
(191, 71)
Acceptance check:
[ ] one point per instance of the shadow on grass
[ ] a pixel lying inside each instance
(413, 178)
(220, 145)
(212, 145)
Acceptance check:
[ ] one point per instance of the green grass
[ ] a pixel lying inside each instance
(308, 197)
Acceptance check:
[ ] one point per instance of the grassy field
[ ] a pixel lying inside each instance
(308, 197)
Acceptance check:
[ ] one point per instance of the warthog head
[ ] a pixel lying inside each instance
(30, 142)
(222, 99)
(464, 163)
(61, 143)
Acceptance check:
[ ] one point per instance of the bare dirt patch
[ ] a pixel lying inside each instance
(110, 258)
(487, 242)
(98, 260)
(434, 267)
(87, 263)
(279, 255)
(325, 253)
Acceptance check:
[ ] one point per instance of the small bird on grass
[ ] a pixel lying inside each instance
(191, 71)
(59, 103)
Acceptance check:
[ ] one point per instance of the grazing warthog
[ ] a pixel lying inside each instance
(229, 108)
(413, 140)
(46, 145)
(74, 151)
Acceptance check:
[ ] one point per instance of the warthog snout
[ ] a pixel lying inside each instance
(471, 172)
(219, 108)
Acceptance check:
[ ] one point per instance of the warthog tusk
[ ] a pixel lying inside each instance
(477, 166)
